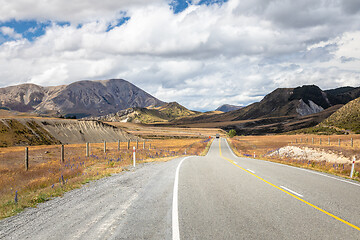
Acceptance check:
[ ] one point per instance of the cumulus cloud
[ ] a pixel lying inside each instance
(10, 32)
(202, 57)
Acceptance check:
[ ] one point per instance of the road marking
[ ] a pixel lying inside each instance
(249, 170)
(293, 192)
(314, 172)
(302, 169)
(289, 193)
(230, 148)
(175, 208)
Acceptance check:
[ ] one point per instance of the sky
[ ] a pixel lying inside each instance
(200, 53)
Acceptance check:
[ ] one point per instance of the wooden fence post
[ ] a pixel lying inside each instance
(144, 144)
(339, 142)
(352, 142)
(104, 146)
(312, 140)
(87, 149)
(128, 145)
(26, 158)
(137, 143)
(118, 145)
(329, 141)
(320, 141)
(62, 153)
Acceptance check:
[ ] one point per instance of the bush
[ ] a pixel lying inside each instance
(232, 133)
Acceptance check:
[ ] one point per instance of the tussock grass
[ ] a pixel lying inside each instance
(263, 146)
(47, 177)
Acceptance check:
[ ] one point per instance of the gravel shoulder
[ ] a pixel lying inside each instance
(134, 204)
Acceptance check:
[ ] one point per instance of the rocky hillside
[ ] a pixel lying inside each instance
(80, 99)
(346, 118)
(165, 113)
(284, 109)
(38, 131)
(228, 108)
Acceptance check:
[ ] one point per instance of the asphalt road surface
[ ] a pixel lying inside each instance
(219, 196)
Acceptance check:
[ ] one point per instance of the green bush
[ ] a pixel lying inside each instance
(232, 133)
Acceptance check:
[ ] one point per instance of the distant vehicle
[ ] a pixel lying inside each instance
(217, 135)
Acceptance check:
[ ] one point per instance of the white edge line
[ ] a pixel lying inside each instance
(314, 172)
(230, 148)
(293, 192)
(250, 170)
(302, 169)
(175, 213)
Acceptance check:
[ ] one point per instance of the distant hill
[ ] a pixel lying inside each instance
(80, 99)
(228, 108)
(165, 113)
(346, 118)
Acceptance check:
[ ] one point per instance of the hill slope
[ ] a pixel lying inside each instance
(165, 113)
(346, 118)
(83, 98)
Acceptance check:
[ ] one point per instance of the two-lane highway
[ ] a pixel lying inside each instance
(219, 196)
(225, 197)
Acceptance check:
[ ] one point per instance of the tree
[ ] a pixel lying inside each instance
(232, 133)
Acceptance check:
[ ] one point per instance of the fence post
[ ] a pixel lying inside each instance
(329, 141)
(352, 167)
(295, 140)
(128, 144)
(352, 142)
(150, 146)
(87, 149)
(26, 158)
(312, 140)
(137, 143)
(104, 146)
(300, 140)
(134, 157)
(62, 154)
(118, 145)
(339, 142)
(320, 141)
(144, 144)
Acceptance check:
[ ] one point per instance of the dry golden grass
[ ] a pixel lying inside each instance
(261, 146)
(159, 132)
(47, 177)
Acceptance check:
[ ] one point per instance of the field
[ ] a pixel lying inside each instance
(266, 148)
(159, 132)
(48, 177)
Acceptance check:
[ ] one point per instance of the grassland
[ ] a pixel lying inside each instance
(47, 177)
(263, 146)
(159, 132)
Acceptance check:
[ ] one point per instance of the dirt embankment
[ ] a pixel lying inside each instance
(35, 131)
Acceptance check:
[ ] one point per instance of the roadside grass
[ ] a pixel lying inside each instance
(47, 177)
(263, 146)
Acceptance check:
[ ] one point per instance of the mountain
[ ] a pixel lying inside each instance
(80, 99)
(165, 113)
(346, 118)
(228, 108)
(284, 109)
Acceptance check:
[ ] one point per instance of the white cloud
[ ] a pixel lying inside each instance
(202, 57)
(10, 32)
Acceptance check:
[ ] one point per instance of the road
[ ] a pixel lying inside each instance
(219, 196)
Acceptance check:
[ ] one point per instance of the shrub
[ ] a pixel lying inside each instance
(232, 133)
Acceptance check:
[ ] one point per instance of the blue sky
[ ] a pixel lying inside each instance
(200, 53)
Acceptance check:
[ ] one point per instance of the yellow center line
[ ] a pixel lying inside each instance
(294, 196)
